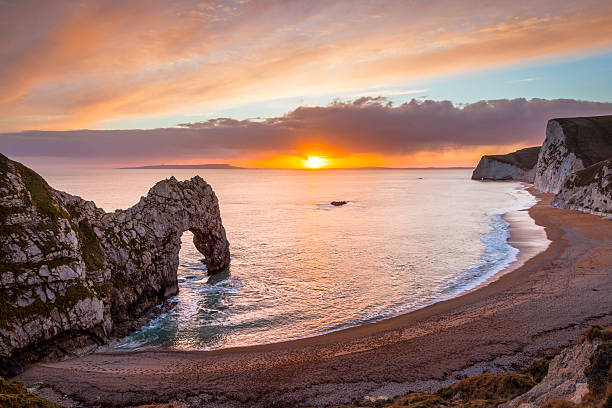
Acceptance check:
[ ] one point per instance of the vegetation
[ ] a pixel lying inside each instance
(90, 247)
(525, 158)
(590, 139)
(491, 390)
(15, 395)
(538, 369)
(9, 312)
(39, 190)
(486, 390)
(599, 333)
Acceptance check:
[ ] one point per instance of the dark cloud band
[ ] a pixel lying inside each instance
(366, 125)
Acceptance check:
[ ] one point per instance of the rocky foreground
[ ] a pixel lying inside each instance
(578, 377)
(537, 310)
(73, 277)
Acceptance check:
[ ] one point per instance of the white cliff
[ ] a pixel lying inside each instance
(519, 165)
(588, 190)
(73, 276)
(572, 144)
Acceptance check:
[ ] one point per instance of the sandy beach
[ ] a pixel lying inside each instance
(543, 304)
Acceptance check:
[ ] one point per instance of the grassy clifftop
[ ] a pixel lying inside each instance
(525, 158)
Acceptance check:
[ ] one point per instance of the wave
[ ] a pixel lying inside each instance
(497, 255)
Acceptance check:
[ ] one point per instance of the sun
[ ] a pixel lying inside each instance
(315, 162)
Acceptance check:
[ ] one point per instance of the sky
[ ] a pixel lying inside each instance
(268, 83)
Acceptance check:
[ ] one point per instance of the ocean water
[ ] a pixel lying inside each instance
(301, 267)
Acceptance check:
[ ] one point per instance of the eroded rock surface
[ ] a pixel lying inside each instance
(567, 378)
(572, 144)
(73, 276)
(519, 165)
(588, 190)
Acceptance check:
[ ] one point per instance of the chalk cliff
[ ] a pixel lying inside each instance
(519, 165)
(572, 144)
(73, 276)
(588, 190)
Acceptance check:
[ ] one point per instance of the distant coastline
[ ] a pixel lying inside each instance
(224, 166)
(183, 166)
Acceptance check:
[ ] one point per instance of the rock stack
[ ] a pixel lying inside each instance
(73, 276)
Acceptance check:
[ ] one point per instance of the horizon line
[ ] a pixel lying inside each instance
(226, 166)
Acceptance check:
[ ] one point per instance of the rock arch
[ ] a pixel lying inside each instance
(73, 276)
(151, 230)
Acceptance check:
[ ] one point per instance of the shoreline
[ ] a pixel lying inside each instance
(497, 326)
(524, 235)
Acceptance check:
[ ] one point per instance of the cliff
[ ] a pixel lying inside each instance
(73, 276)
(588, 190)
(572, 144)
(519, 165)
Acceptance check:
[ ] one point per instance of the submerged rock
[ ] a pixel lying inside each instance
(572, 144)
(519, 165)
(73, 276)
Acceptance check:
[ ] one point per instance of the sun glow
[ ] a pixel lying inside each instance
(315, 162)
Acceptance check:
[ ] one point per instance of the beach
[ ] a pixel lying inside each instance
(543, 304)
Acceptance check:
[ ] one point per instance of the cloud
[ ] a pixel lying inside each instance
(528, 79)
(70, 64)
(368, 125)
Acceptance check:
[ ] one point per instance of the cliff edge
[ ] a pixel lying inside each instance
(519, 165)
(588, 190)
(73, 276)
(572, 144)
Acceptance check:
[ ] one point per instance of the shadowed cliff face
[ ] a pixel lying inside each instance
(575, 164)
(572, 144)
(519, 165)
(588, 190)
(73, 276)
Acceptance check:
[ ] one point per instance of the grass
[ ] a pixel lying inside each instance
(485, 390)
(489, 388)
(525, 159)
(15, 395)
(39, 190)
(90, 247)
(599, 333)
(599, 373)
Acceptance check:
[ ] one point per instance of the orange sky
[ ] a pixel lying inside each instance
(450, 158)
(362, 132)
(109, 64)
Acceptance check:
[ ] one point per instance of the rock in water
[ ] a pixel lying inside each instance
(73, 276)
(588, 190)
(519, 165)
(572, 144)
(338, 203)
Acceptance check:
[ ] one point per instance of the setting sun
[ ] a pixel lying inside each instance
(315, 162)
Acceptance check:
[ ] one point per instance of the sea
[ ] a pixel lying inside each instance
(301, 267)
